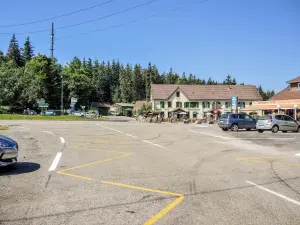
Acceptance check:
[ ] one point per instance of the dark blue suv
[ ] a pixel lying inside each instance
(236, 121)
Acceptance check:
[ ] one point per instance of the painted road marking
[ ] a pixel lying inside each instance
(48, 132)
(238, 138)
(298, 154)
(263, 160)
(274, 193)
(156, 217)
(149, 142)
(212, 135)
(141, 188)
(164, 211)
(73, 175)
(97, 162)
(62, 140)
(153, 143)
(55, 161)
(131, 135)
(110, 128)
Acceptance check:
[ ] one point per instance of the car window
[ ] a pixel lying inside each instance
(233, 116)
(265, 117)
(287, 118)
(247, 117)
(224, 116)
(278, 117)
(242, 116)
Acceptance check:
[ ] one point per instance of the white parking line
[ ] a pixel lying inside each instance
(48, 132)
(131, 135)
(298, 154)
(110, 128)
(153, 143)
(62, 140)
(274, 193)
(55, 161)
(212, 135)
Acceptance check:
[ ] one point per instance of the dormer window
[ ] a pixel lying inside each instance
(178, 94)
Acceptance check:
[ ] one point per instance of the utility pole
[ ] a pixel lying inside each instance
(52, 40)
(62, 95)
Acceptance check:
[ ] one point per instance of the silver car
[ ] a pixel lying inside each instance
(8, 151)
(277, 122)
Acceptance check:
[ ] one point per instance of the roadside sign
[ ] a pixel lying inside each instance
(74, 100)
(41, 101)
(45, 105)
(234, 101)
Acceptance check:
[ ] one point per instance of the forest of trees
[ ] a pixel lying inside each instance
(26, 77)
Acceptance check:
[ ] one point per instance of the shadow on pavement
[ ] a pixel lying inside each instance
(19, 168)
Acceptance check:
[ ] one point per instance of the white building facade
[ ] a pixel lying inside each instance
(200, 100)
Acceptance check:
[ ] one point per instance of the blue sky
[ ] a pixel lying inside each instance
(257, 42)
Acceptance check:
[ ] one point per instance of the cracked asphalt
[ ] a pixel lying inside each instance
(125, 172)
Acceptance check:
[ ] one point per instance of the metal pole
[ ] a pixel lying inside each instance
(52, 40)
(62, 95)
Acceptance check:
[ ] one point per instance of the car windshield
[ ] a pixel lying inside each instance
(224, 116)
(265, 117)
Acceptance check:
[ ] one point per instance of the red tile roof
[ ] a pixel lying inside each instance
(295, 80)
(287, 93)
(206, 92)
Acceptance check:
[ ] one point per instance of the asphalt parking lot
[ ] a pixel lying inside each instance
(137, 173)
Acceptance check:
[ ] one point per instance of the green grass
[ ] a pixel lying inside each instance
(3, 127)
(39, 117)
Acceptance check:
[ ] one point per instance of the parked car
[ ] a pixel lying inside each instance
(277, 122)
(79, 113)
(8, 151)
(49, 112)
(90, 115)
(236, 121)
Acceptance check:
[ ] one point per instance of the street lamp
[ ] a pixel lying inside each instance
(62, 95)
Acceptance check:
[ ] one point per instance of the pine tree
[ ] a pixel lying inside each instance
(234, 82)
(138, 88)
(14, 52)
(210, 81)
(126, 84)
(27, 51)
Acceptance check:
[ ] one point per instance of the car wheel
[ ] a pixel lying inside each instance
(225, 129)
(260, 131)
(298, 130)
(234, 127)
(248, 129)
(275, 129)
(284, 131)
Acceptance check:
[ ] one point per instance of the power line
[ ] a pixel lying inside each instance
(130, 22)
(88, 21)
(56, 17)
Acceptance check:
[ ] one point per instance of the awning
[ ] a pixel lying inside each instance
(268, 107)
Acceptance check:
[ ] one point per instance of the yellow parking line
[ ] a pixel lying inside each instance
(73, 175)
(271, 157)
(164, 211)
(141, 188)
(97, 162)
(96, 150)
(288, 164)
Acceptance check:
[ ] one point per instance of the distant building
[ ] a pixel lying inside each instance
(139, 104)
(198, 101)
(102, 108)
(286, 101)
(291, 92)
(122, 109)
